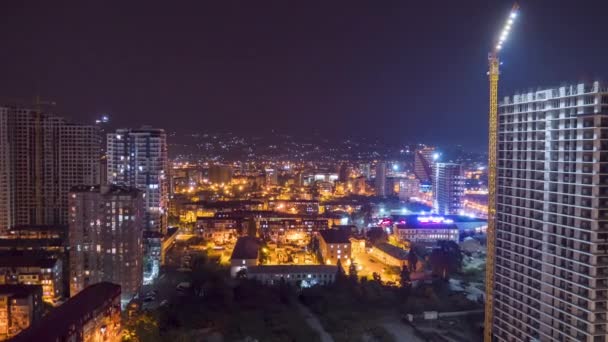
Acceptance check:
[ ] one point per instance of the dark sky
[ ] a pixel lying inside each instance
(400, 70)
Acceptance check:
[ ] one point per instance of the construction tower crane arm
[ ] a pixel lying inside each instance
(493, 73)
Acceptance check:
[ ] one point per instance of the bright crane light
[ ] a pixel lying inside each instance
(504, 34)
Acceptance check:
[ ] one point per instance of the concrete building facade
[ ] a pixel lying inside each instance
(448, 189)
(106, 238)
(138, 158)
(551, 270)
(41, 157)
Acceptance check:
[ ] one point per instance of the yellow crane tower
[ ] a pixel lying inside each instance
(493, 73)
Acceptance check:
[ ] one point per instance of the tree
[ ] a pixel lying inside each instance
(242, 273)
(412, 260)
(446, 259)
(352, 273)
(405, 280)
(340, 276)
(141, 328)
(376, 277)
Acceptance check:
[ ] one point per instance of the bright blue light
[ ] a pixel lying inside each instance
(395, 167)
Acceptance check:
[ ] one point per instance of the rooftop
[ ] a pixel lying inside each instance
(288, 269)
(39, 227)
(425, 221)
(20, 290)
(334, 236)
(61, 320)
(246, 248)
(27, 261)
(393, 251)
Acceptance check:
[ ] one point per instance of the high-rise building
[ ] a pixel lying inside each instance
(41, 158)
(551, 254)
(448, 188)
(106, 238)
(6, 197)
(138, 158)
(423, 163)
(380, 182)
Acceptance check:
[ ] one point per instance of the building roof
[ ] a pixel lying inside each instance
(425, 221)
(289, 269)
(246, 248)
(394, 251)
(60, 320)
(39, 227)
(20, 290)
(334, 236)
(27, 261)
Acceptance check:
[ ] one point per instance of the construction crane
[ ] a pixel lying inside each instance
(493, 73)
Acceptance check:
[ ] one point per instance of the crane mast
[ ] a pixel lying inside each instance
(493, 73)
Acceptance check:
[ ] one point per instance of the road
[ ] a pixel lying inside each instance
(313, 322)
(400, 331)
(171, 274)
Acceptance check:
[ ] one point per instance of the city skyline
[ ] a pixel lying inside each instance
(211, 66)
(307, 172)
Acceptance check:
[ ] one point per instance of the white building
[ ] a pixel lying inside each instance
(106, 238)
(448, 188)
(427, 229)
(380, 182)
(551, 273)
(301, 275)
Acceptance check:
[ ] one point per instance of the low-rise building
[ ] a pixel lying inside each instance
(357, 246)
(218, 230)
(334, 245)
(31, 270)
(20, 307)
(426, 229)
(308, 207)
(390, 255)
(300, 275)
(92, 315)
(244, 255)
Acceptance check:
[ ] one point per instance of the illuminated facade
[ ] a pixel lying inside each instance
(20, 307)
(448, 189)
(334, 245)
(389, 254)
(551, 273)
(423, 163)
(427, 229)
(138, 158)
(106, 238)
(93, 315)
(30, 270)
(299, 275)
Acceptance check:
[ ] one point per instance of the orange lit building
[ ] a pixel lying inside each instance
(93, 315)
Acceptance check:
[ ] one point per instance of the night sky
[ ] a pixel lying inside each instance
(398, 70)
